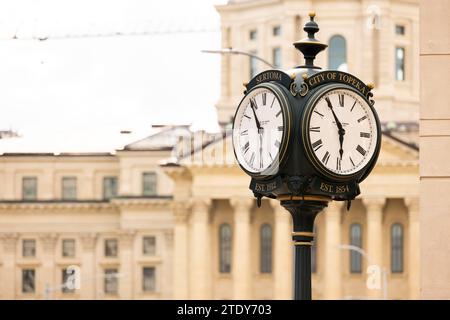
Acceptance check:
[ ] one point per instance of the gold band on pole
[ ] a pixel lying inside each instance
(302, 243)
(306, 198)
(303, 233)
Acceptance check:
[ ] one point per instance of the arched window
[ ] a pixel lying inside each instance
(397, 248)
(314, 252)
(355, 240)
(225, 248)
(337, 54)
(266, 248)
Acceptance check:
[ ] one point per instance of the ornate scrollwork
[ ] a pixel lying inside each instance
(304, 89)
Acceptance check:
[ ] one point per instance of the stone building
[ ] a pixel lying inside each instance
(172, 217)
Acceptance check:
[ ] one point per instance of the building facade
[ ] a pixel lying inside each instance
(171, 216)
(434, 141)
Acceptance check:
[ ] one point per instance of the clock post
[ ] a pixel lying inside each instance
(306, 137)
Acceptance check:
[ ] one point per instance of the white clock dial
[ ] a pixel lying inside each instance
(258, 130)
(342, 132)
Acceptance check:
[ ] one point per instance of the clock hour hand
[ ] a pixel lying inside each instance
(258, 125)
(341, 130)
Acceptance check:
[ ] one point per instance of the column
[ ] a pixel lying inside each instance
(47, 277)
(126, 272)
(88, 262)
(242, 272)
(333, 263)
(414, 247)
(374, 208)
(282, 253)
(180, 255)
(200, 249)
(9, 265)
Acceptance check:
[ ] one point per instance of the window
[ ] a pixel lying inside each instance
(149, 246)
(109, 187)
(276, 31)
(28, 281)
(314, 252)
(399, 30)
(149, 183)
(225, 248)
(337, 54)
(69, 188)
(111, 281)
(253, 34)
(148, 279)
(68, 248)
(68, 281)
(276, 57)
(29, 188)
(266, 249)
(111, 248)
(253, 65)
(29, 248)
(355, 240)
(397, 248)
(399, 64)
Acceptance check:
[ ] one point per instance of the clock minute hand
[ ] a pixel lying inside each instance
(258, 125)
(341, 130)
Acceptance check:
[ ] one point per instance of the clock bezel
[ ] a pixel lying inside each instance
(282, 97)
(316, 163)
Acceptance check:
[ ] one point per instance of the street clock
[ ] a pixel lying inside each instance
(306, 137)
(306, 132)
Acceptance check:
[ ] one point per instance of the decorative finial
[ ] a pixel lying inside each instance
(310, 46)
(370, 86)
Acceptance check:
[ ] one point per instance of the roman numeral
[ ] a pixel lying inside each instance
(279, 112)
(364, 135)
(264, 97)
(280, 128)
(245, 132)
(341, 100)
(253, 103)
(246, 147)
(338, 163)
(272, 102)
(317, 145)
(318, 113)
(270, 155)
(277, 143)
(352, 161)
(326, 157)
(361, 119)
(314, 129)
(361, 150)
(353, 106)
(252, 159)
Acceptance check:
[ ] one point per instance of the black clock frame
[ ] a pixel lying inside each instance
(283, 97)
(306, 118)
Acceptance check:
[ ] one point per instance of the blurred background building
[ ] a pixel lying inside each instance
(171, 216)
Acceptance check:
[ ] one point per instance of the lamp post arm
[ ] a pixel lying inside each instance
(238, 52)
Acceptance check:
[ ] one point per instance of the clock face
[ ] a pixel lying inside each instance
(259, 130)
(341, 132)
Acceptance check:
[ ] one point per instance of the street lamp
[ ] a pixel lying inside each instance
(239, 52)
(369, 260)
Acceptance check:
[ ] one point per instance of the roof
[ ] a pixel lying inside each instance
(166, 139)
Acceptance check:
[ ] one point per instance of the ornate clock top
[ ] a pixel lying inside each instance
(310, 46)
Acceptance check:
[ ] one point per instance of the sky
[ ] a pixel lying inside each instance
(70, 83)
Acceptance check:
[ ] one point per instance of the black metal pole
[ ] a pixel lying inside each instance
(303, 214)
